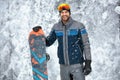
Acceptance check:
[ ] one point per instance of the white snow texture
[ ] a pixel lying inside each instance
(18, 17)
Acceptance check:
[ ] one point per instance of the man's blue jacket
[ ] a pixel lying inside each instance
(73, 42)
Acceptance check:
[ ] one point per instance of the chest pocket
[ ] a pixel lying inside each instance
(59, 33)
(73, 32)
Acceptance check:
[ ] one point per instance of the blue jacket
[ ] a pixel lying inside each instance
(73, 42)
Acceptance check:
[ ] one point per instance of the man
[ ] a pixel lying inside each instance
(73, 46)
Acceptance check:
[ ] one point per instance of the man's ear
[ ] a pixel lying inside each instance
(59, 13)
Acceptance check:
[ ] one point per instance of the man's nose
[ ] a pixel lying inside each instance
(64, 13)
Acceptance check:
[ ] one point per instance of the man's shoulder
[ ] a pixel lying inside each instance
(56, 25)
(78, 24)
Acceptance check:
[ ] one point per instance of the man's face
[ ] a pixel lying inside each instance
(65, 15)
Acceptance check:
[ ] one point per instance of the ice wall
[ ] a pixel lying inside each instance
(17, 17)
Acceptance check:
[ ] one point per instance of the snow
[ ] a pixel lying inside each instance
(117, 9)
(17, 17)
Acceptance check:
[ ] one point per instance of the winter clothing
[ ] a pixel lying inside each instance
(76, 71)
(87, 68)
(72, 42)
(73, 46)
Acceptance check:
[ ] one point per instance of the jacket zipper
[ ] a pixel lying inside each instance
(65, 47)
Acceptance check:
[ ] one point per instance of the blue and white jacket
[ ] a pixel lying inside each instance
(73, 42)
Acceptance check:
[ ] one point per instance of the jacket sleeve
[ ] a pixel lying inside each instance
(50, 39)
(86, 43)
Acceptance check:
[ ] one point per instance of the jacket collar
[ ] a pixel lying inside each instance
(70, 21)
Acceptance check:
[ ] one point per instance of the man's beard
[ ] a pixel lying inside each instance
(65, 20)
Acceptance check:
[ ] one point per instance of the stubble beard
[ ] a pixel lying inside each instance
(65, 18)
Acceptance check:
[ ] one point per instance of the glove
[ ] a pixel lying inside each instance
(87, 68)
(71, 77)
(36, 28)
(47, 57)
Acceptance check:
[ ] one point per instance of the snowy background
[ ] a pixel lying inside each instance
(17, 17)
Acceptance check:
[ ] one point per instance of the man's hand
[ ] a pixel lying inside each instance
(87, 68)
(47, 57)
